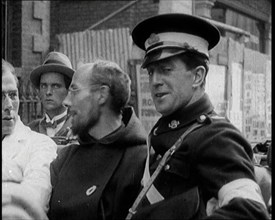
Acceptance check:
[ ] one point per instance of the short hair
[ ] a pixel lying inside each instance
(8, 67)
(192, 59)
(109, 73)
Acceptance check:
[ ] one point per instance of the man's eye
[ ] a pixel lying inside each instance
(166, 69)
(43, 86)
(150, 72)
(12, 95)
(56, 86)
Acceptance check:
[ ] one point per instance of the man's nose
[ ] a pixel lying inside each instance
(49, 90)
(67, 101)
(7, 103)
(156, 79)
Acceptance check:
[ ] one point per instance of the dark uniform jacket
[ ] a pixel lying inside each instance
(37, 125)
(99, 179)
(209, 157)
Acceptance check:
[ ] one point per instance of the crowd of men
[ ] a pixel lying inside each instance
(89, 157)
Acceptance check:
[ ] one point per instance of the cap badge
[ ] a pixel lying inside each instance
(154, 38)
(173, 124)
(189, 47)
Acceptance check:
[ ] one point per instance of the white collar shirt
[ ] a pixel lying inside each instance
(26, 158)
(52, 131)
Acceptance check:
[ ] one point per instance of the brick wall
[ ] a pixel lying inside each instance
(35, 35)
(73, 16)
(261, 9)
(14, 32)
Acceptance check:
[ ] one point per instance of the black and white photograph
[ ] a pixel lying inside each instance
(136, 109)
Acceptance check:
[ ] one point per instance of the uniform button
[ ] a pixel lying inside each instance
(159, 157)
(167, 167)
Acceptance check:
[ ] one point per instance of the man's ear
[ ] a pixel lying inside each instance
(199, 73)
(104, 94)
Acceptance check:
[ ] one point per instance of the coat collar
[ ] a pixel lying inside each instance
(183, 116)
(110, 138)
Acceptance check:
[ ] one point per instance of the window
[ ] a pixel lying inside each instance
(240, 20)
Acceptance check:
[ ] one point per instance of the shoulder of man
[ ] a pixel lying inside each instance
(66, 151)
(34, 125)
(37, 137)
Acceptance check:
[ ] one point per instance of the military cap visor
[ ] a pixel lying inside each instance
(181, 32)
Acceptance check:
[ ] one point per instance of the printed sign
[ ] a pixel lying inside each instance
(146, 108)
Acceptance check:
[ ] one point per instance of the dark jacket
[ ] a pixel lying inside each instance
(99, 179)
(207, 159)
(37, 125)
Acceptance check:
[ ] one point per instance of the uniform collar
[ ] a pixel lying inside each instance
(183, 116)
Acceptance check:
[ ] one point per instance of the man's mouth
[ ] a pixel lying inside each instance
(7, 118)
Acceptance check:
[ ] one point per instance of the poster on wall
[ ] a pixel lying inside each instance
(268, 84)
(254, 105)
(146, 108)
(215, 87)
(235, 113)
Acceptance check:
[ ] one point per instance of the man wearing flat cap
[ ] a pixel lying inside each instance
(52, 79)
(199, 164)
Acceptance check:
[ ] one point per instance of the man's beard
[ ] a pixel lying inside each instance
(82, 128)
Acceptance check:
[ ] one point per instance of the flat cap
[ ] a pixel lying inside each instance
(167, 35)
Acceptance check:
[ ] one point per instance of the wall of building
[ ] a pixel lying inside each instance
(14, 32)
(259, 9)
(71, 16)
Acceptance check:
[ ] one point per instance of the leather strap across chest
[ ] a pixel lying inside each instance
(162, 163)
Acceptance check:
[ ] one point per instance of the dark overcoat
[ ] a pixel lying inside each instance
(99, 179)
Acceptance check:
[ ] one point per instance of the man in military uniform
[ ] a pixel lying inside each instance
(52, 79)
(210, 172)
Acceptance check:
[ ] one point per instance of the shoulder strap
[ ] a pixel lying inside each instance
(160, 166)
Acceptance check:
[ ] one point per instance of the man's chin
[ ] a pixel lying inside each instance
(79, 129)
(50, 106)
(7, 131)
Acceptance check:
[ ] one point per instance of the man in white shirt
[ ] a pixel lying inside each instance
(26, 158)
(52, 80)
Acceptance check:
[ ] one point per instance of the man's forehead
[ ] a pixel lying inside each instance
(9, 85)
(8, 78)
(83, 74)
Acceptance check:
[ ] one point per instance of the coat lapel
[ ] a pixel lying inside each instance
(63, 131)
